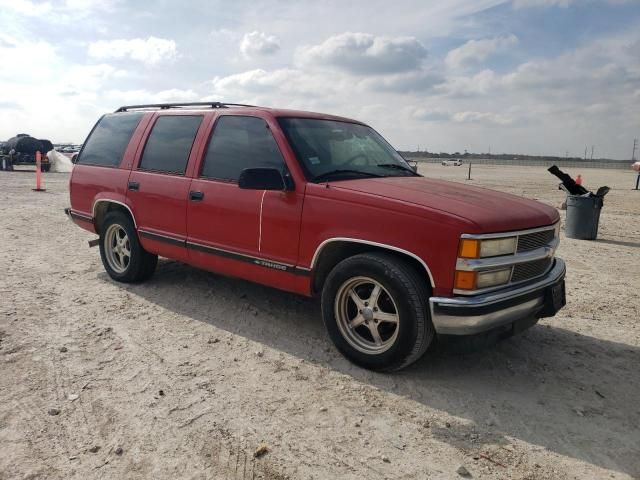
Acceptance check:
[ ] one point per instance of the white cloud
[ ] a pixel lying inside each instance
(139, 96)
(416, 81)
(281, 87)
(363, 53)
(480, 83)
(26, 7)
(482, 117)
(256, 43)
(151, 51)
(477, 51)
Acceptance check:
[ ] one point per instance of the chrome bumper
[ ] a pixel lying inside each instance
(479, 313)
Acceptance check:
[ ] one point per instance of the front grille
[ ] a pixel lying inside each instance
(529, 270)
(531, 241)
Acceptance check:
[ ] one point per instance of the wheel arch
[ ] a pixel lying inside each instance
(103, 206)
(333, 250)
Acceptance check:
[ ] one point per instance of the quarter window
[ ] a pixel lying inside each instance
(169, 144)
(237, 143)
(109, 139)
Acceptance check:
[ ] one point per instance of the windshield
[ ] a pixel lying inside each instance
(332, 150)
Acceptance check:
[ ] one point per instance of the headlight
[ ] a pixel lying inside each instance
(493, 247)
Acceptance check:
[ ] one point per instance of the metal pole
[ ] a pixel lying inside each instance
(469, 175)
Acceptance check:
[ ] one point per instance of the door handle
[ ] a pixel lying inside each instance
(134, 186)
(196, 196)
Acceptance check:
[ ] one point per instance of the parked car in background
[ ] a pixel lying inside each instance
(456, 163)
(321, 206)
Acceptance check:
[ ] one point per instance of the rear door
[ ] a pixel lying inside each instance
(247, 233)
(158, 186)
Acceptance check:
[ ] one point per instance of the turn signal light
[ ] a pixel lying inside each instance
(465, 280)
(469, 248)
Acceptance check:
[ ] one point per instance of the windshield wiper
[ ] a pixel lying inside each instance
(334, 173)
(397, 166)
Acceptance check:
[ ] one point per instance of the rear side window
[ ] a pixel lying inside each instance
(238, 143)
(170, 143)
(109, 139)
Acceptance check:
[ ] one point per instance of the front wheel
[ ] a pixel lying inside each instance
(374, 306)
(123, 257)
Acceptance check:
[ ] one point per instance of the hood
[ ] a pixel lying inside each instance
(490, 210)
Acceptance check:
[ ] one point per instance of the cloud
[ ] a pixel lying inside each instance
(482, 117)
(431, 114)
(139, 96)
(256, 43)
(437, 115)
(408, 82)
(363, 53)
(480, 83)
(285, 86)
(151, 51)
(26, 7)
(541, 3)
(477, 51)
(561, 3)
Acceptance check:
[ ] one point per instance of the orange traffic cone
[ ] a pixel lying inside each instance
(38, 174)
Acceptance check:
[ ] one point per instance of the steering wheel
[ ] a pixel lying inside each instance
(352, 160)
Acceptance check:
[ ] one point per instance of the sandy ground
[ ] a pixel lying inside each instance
(187, 375)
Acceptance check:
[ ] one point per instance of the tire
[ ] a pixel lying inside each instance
(139, 265)
(401, 288)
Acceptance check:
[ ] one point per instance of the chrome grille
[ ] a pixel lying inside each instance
(531, 241)
(529, 270)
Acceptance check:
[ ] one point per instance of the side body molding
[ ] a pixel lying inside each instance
(375, 244)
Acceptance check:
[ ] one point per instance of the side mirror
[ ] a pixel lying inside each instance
(74, 158)
(261, 179)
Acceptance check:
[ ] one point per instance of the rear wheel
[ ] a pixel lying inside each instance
(374, 306)
(123, 257)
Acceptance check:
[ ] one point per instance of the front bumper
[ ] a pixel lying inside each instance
(480, 313)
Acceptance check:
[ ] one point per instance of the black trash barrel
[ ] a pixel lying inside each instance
(583, 217)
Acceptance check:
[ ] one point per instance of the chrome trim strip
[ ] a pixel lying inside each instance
(474, 264)
(241, 257)
(231, 253)
(80, 216)
(517, 233)
(557, 271)
(135, 224)
(375, 244)
(162, 238)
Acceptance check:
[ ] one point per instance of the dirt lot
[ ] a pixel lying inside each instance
(187, 375)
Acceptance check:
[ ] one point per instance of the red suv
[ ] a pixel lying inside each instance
(317, 205)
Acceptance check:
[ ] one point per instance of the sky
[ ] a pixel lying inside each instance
(542, 77)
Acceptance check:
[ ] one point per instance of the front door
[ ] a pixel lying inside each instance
(247, 233)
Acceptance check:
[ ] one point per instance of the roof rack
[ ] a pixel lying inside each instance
(165, 106)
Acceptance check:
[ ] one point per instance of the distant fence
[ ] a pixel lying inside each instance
(616, 164)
